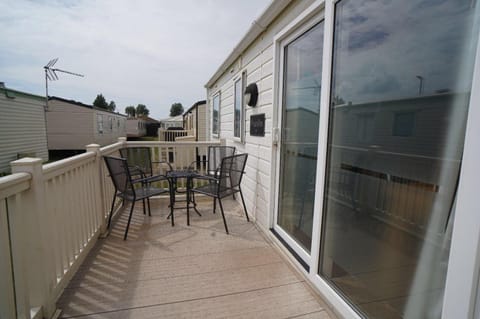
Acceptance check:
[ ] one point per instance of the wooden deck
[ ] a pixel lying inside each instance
(188, 272)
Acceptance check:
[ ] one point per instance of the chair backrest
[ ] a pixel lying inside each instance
(140, 157)
(215, 156)
(118, 169)
(231, 171)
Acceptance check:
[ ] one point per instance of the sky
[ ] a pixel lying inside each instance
(152, 52)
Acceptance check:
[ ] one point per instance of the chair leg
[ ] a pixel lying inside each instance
(188, 208)
(214, 204)
(111, 210)
(243, 202)
(223, 215)
(144, 212)
(148, 203)
(129, 219)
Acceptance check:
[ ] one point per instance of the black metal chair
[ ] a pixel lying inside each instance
(215, 154)
(225, 183)
(128, 190)
(140, 162)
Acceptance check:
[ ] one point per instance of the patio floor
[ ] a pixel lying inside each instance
(195, 271)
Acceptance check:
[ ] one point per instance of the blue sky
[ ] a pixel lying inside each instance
(147, 51)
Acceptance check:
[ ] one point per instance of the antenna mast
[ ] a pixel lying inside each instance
(50, 74)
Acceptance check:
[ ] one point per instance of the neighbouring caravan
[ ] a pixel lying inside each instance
(22, 127)
(72, 125)
(195, 120)
(361, 122)
(136, 127)
(169, 122)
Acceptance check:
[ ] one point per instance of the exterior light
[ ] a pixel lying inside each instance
(251, 94)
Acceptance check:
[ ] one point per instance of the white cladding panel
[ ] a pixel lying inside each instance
(257, 62)
(72, 127)
(22, 128)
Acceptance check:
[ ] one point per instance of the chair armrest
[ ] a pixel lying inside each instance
(192, 167)
(136, 170)
(205, 177)
(164, 162)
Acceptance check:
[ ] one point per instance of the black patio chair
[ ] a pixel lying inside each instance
(225, 183)
(140, 162)
(215, 154)
(128, 190)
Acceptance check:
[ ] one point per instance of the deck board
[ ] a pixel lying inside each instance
(195, 271)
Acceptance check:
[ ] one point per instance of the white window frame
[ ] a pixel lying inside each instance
(240, 79)
(215, 96)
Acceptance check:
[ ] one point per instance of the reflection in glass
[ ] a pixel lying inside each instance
(216, 108)
(401, 84)
(300, 116)
(237, 107)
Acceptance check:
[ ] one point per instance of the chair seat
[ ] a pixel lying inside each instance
(226, 183)
(144, 192)
(211, 190)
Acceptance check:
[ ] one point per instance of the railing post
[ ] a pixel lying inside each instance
(100, 191)
(123, 140)
(33, 230)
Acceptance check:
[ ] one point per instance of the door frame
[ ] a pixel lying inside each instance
(304, 22)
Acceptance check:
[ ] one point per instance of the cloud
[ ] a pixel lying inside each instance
(150, 52)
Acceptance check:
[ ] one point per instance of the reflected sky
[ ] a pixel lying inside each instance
(380, 56)
(304, 71)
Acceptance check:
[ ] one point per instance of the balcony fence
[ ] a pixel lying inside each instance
(52, 215)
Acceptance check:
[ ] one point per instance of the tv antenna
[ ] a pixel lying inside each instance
(50, 74)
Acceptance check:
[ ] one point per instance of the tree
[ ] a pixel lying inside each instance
(176, 109)
(130, 111)
(112, 106)
(142, 110)
(100, 102)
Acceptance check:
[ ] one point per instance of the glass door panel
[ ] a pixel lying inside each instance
(401, 82)
(299, 135)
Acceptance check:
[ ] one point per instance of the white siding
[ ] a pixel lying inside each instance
(136, 127)
(114, 126)
(69, 126)
(72, 127)
(257, 61)
(22, 128)
(202, 122)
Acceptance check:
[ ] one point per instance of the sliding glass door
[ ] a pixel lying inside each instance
(302, 65)
(401, 81)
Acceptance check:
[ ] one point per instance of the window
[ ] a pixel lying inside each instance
(238, 108)
(216, 114)
(100, 123)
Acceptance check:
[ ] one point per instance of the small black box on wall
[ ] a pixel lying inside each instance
(257, 125)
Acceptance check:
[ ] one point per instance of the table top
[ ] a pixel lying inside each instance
(181, 173)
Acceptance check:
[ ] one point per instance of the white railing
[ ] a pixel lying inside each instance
(172, 135)
(51, 216)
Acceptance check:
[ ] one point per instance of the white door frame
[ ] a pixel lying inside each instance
(310, 17)
(462, 289)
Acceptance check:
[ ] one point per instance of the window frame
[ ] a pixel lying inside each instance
(216, 95)
(241, 119)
